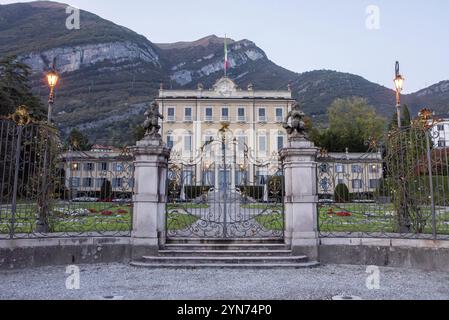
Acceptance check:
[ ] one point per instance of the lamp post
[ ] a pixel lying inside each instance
(52, 80)
(399, 84)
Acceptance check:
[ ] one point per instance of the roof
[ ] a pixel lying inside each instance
(225, 88)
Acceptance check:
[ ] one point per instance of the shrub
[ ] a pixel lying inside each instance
(341, 194)
(344, 214)
(107, 213)
(121, 211)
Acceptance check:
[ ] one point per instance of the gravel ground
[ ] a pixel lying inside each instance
(126, 282)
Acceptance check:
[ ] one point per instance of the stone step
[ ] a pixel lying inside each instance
(229, 253)
(223, 246)
(215, 241)
(225, 260)
(251, 266)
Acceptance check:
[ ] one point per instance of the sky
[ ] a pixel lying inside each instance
(364, 37)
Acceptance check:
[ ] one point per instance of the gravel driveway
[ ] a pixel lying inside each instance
(125, 282)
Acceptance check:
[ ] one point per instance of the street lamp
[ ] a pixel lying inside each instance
(52, 80)
(399, 84)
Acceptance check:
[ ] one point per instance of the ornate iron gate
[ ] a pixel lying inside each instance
(224, 192)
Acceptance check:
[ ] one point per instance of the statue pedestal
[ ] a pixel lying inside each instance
(151, 165)
(301, 197)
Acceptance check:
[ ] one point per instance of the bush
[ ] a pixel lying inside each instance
(255, 192)
(341, 194)
(193, 192)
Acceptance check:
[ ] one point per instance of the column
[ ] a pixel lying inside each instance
(301, 197)
(151, 165)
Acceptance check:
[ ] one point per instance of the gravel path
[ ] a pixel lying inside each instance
(125, 282)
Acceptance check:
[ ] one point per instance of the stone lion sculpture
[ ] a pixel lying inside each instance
(151, 124)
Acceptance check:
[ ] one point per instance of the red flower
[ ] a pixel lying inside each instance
(107, 213)
(121, 211)
(93, 210)
(344, 214)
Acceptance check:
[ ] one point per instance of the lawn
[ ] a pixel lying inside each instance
(273, 222)
(178, 221)
(373, 218)
(87, 217)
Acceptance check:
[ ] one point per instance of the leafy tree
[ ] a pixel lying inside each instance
(106, 190)
(341, 194)
(78, 141)
(352, 123)
(15, 89)
(406, 119)
(139, 133)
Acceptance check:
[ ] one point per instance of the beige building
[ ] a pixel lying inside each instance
(87, 171)
(254, 135)
(360, 172)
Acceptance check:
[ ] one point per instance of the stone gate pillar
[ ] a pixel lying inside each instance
(301, 197)
(301, 192)
(151, 165)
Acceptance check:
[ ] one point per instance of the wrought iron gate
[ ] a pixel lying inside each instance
(223, 191)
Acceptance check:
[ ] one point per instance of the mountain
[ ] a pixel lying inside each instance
(110, 73)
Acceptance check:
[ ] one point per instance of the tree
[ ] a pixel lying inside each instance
(139, 133)
(352, 123)
(341, 194)
(78, 141)
(15, 89)
(106, 190)
(406, 119)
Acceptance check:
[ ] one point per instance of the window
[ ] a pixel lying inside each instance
(171, 117)
(225, 114)
(118, 167)
(209, 178)
(357, 184)
(100, 182)
(374, 183)
(187, 177)
(241, 115)
(74, 182)
(188, 143)
(240, 177)
(170, 142)
(241, 143)
(261, 177)
(262, 115)
(280, 141)
(188, 114)
(209, 114)
(75, 166)
(341, 181)
(89, 166)
(263, 144)
(103, 166)
(117, 182)
(356, 168)
(441, 127)
(374, 168)
(339, 168)
(88, 182)
(441, 143)
(279, 114)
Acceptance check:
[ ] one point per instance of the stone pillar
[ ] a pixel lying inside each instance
(301, 197)
(151, 165)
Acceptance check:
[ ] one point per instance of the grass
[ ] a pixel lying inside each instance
(60, 222)
(372, 218)
(273, 222)
(178, 221)
(263, 206)
(174, 206)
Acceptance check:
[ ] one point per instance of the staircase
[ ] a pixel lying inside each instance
(247, 254)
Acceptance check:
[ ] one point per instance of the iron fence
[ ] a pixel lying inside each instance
(397, 190)
(47, 191)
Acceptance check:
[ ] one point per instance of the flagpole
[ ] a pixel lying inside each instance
(226, 57)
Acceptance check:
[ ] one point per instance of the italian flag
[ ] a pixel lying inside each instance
(226, 61)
